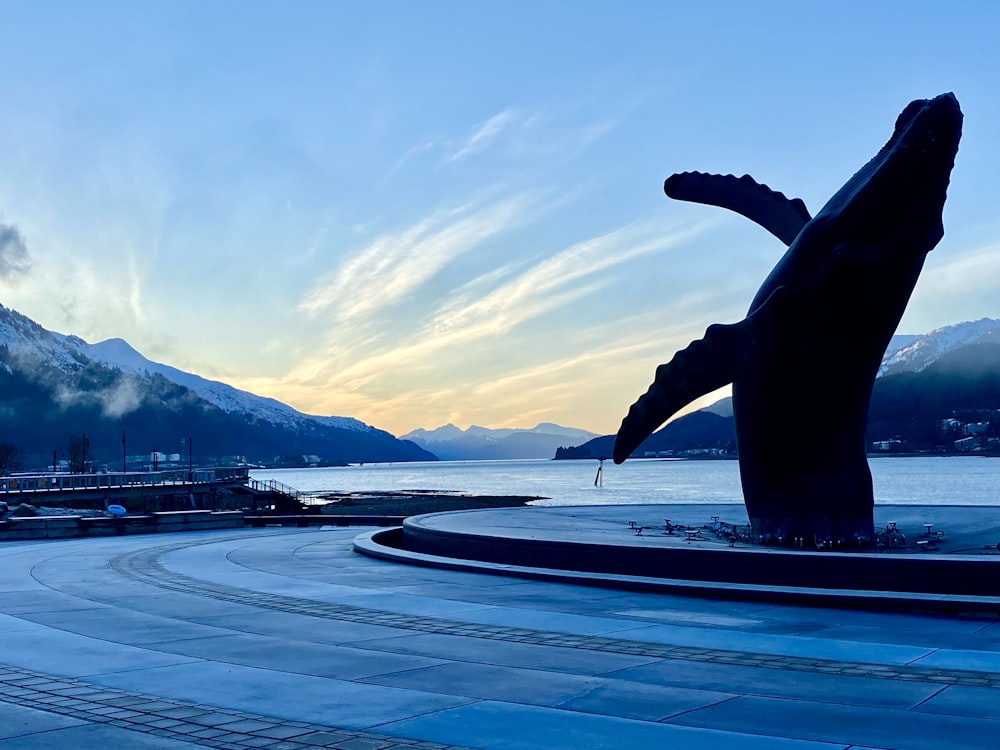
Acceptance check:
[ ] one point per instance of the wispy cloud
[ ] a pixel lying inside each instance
(608, 365)
(411, 153)
(484, 134)
(973, 270)
(395, 264)
(89, 297)
(552, 283)
(950, 290)
(14, 258)
(546, 138)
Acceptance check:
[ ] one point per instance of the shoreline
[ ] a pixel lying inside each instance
(410, 502)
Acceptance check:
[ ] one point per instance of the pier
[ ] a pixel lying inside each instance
(168, 490)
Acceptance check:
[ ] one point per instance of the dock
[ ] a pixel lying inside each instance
(174, 489)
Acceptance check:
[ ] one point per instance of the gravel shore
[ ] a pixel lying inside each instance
(410, 502)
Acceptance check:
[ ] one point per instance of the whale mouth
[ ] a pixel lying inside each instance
(929, 127)
(926, 127)
(910, 171)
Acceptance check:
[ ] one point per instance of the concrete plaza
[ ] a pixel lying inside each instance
(285, 638)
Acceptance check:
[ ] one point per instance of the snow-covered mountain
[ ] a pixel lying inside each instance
(118, 354)
(911, 352)
(119, 380)
(454, 444)
(450, 432)
(21, 336)
(921, 351)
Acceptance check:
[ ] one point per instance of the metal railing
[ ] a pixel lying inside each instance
(22, 483)
(273, 485)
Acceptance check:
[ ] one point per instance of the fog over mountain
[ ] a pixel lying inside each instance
(53, 386)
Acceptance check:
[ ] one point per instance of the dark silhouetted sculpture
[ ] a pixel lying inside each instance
(804, 360)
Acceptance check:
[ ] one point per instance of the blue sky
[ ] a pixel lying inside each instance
(416, 213)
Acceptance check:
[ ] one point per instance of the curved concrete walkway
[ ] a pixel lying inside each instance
(287, 639)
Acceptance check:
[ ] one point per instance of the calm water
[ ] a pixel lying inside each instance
(943, 480)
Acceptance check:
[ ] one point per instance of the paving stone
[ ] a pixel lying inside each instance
(67, 691)
(256, 742)
(320, 739)
(209, 733)
(123, 701)
(19, 692)
(181, 712)
(125, 714)
(214, 720)
(148, 719)
(186, 727)
(100, 710)
(152, 706)
(230, 737)
(247, 725)
(165, 724)
(51, 701)
(282, 732)
(363, 743)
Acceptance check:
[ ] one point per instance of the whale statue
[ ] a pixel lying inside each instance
(803, 362)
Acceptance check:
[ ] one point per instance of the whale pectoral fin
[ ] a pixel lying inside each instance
(723, 355)
(779, 215)
(706, 364)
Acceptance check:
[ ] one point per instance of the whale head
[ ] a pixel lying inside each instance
(903, 187)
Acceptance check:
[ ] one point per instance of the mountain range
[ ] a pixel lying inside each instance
(450, 443)
(55, 387)
(950, 372)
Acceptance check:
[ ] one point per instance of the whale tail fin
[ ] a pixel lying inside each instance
(781, 216)
(723, 355)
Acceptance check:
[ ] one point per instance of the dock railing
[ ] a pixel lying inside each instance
(41, 483)
(273, 485)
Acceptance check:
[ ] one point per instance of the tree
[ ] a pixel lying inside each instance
(79, 448)
(10, 458)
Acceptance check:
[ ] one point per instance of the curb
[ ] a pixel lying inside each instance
(381, 544)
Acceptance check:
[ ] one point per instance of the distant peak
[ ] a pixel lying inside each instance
(924, 350)
(114, 342)
(115, 345)
(723, 407)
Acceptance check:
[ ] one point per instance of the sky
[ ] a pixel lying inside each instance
(416, 213)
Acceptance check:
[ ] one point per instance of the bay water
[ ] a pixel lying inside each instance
(930, 480)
